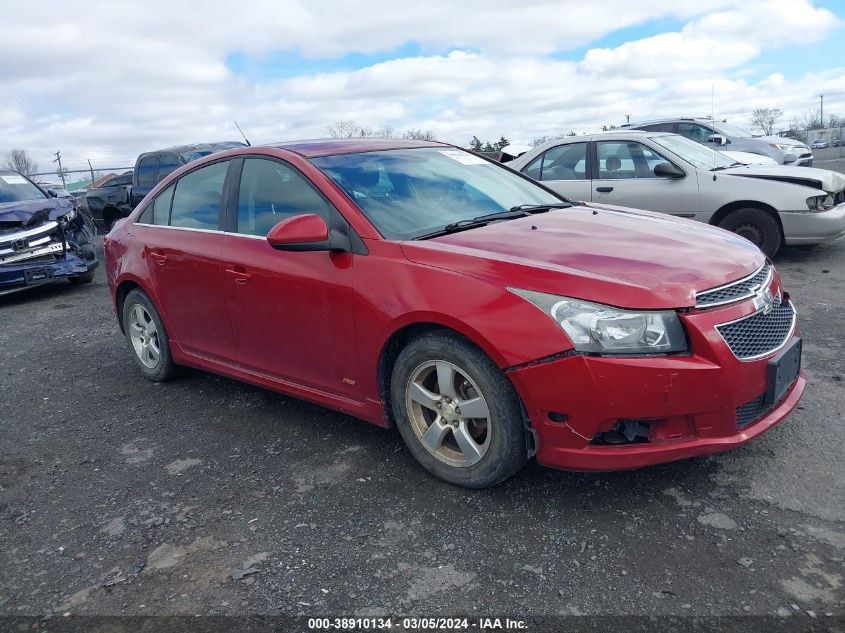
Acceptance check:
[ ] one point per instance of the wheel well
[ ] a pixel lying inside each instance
(390, 352)
(745, 204)
(120, 296)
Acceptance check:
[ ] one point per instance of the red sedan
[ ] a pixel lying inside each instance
(489, 319)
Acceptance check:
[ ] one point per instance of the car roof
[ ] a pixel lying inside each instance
(674, 119)
(315, 148)
(199, 147)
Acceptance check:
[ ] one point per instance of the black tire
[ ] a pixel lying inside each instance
(757, 226)
(506, 451)
(84, 278)
(164, 368)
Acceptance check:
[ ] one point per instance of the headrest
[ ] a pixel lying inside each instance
(612, 163)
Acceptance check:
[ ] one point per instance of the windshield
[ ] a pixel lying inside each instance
(16, 188)
(695, 154)
(407, 193)
(726, 129)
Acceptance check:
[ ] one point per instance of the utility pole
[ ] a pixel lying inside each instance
(628, 118)
(821, 110)
(92, 172)
(58, 156)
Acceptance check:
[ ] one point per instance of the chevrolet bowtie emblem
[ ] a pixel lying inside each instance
(764, 301)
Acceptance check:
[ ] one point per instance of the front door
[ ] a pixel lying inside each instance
(291, 312)
(624, 176)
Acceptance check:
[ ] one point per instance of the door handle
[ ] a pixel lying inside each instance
(240, 276)
(160, 258)
(604, 189)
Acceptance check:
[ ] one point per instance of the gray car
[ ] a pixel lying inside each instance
(769, 205)
(723, 136)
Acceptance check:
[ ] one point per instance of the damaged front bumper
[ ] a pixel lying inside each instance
(54, 250)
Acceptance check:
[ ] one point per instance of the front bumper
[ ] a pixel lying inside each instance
(51, 256)
(813, 228)
(693, 404)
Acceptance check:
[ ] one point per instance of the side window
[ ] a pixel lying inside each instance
(658, 127)
(146, 216)
(167, 163)
(161, 207)
(270, 192)
(147, 172)
(565, 162)
(196, 201)
(626, 159)
(532, 169)
(695, 132)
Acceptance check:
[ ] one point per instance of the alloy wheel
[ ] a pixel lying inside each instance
(144, 336)
(448, 413)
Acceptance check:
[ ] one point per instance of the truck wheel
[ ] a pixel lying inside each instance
(757, 226)
(84, 278)
(458, 414)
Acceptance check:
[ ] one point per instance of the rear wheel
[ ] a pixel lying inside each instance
(757, 226)
(147, 337)
(457, 412)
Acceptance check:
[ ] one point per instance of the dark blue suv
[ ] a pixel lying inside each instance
(42, 238)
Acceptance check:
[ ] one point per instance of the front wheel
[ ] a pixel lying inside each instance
(757, 226)
(457, 412)
(147, 337)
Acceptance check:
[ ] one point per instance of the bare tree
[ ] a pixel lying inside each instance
(419, 135)
(20, 160)
(765, 119)
(344, 129)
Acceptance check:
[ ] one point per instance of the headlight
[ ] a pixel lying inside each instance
(68, 217)
(817, 204)
(786, 149)
(603, 329)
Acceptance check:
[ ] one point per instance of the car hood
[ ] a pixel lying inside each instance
(824, 179)
(613, 255)
(781, 140)
(23, 212)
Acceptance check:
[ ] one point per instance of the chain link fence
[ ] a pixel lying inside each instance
(74, 180)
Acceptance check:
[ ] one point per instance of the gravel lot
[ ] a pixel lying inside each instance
(161, 491)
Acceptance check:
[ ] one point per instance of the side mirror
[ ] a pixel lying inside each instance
(307, 232)
(717, 139)
(52, 193)
(668, 170)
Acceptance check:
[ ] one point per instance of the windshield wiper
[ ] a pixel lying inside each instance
(539, 208)
(721, 167)
(470, 223)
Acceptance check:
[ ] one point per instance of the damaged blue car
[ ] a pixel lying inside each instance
(43, 239)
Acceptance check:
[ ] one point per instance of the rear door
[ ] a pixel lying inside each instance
(624, 176)
(184, 241)
(565, 169)
(291, 312)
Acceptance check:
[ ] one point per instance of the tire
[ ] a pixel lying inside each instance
(84, 278)
(757, 226)
(491, 449)
(141, 322)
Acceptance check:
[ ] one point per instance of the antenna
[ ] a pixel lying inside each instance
(246, 140)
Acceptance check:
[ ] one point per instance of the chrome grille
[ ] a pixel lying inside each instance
(761, 333)
(737, 290)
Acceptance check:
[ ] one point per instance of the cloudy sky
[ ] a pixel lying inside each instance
(105, 81)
